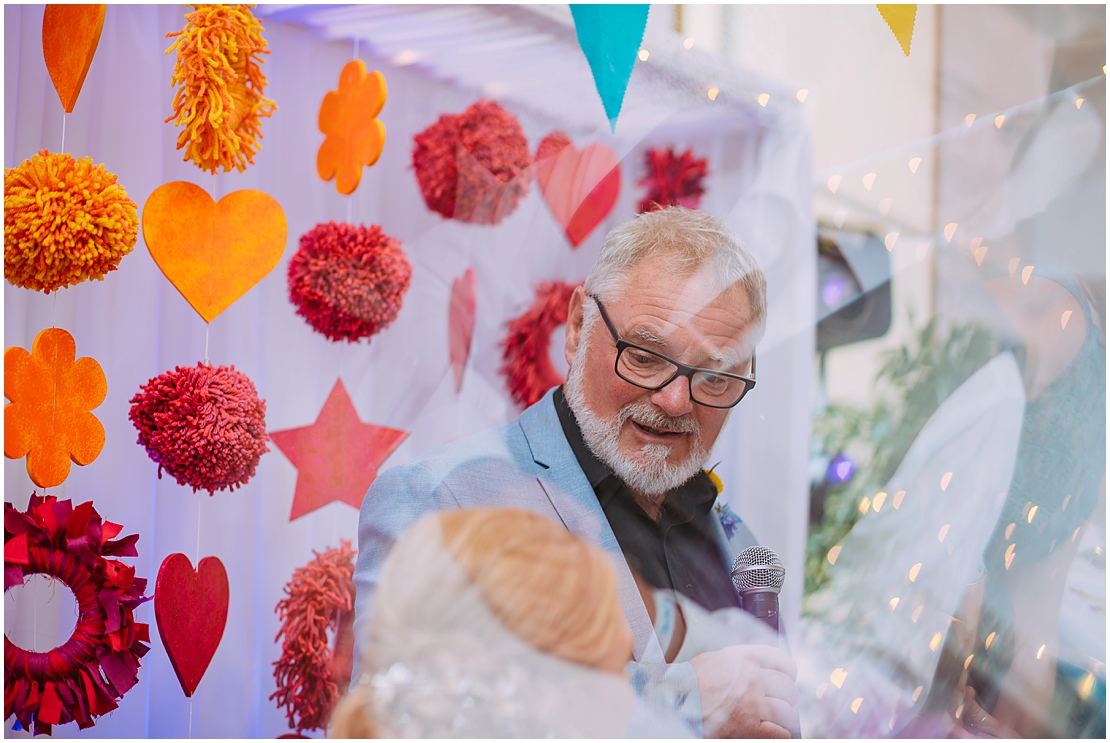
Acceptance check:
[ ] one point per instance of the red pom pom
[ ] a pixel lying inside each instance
(672, 180)
(469, 165)
(348, 281)
(526, 361)
(551, 145)
(203, 425)
(320, 597)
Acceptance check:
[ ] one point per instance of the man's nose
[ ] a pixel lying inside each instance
(674, 399)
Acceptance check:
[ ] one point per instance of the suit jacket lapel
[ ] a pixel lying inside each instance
(569, 491)
(562, 477)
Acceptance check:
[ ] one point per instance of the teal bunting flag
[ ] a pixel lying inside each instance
(610, 37)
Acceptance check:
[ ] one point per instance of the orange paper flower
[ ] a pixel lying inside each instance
(353, 136)
(220, 104)
(48, 419)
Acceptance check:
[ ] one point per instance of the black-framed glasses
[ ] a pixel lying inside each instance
(654, 371)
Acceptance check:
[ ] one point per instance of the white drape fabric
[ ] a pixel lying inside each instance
(136, 325)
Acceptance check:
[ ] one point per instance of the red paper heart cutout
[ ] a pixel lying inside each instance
(460, 323)
(190, 607)
(581, 187)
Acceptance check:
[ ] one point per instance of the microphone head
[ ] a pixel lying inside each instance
(758, 569)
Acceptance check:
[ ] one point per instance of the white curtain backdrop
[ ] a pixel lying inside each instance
(136, 325)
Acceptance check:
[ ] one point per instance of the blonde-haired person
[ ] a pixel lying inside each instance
(493, 622)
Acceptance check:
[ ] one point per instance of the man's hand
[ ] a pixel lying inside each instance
(747, 691)
(977, 723)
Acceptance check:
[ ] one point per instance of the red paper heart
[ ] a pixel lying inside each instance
(460, 322)
(190, 607)
(580, 187)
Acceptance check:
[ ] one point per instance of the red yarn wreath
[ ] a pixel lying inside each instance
(203, 425)
(672, 180)
(473, 166)
(310, 677)
(348, 281)
(82, 678)
(526, 362)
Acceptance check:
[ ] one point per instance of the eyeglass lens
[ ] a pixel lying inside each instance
(645, 369)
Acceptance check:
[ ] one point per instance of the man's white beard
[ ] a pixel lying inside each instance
(654, 477)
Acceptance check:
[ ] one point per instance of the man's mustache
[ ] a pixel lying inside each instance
(647, 414)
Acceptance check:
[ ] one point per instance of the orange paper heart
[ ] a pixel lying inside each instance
(70, 34)
(48, 419)
(213, 252)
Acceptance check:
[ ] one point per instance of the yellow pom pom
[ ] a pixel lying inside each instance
(65, 221)
(220, 103)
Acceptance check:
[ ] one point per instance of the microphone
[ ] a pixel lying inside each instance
(757, 574)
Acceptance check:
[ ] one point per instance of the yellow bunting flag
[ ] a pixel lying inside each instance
(900, 19)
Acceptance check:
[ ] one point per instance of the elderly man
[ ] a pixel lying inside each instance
(661, 346)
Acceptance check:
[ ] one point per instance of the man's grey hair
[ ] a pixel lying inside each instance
(686, 240)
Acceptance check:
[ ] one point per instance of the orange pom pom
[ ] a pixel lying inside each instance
(65, 221)
(220, 103)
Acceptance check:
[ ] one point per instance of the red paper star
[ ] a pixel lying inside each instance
(338, 456)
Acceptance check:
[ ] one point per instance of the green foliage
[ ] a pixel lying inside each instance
(911, 384)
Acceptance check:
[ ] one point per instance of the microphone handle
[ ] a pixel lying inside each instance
(763, 605)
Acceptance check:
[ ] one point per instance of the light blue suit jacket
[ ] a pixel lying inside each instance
(526, 464)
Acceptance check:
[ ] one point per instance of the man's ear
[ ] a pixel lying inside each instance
(574, 323)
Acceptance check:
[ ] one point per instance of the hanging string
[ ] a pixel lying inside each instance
(196, 553)
(63, 132)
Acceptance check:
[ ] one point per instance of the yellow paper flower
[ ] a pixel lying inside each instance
(353, 136)
(220, 103)
(65, 221)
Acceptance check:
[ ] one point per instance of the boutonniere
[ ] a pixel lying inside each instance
(729, 519)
